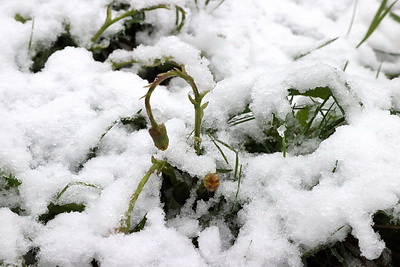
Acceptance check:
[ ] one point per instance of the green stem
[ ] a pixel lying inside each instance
(284, 146)
(117, 66)
(152, 87)
(197, 128)
(196, 101)
(109, 21)
(126, 224)
(198, 108)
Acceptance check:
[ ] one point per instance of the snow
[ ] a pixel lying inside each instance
(247, 54)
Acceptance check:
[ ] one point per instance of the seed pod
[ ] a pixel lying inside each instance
(159, 136)
(211, 182)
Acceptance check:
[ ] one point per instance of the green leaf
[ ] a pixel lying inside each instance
(205, 105)
(10, 180)
(140, 225)
(395, 17)
(192, 100)
(55, 209)
(302, 116)
(175, 189)
(320, 92)
(20, 18)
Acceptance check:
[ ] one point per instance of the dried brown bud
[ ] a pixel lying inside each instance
(211, 182)
(160, 137)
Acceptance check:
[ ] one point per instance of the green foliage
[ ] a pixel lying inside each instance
(315, 115)
(140, 225)
(134, 123)
(54, 209)
(320, 92)
(9, 180)
(245, 116)
(379, 16)
(9, 192)
(344, 253)
(226, 211)
(150, 72)
(30, 258)
(388, 228)
(175, 190)
(18, 17)
(43, 54)
(123, 39)
(135, 15)
(394, 17)
(134, 21)
(347, 252)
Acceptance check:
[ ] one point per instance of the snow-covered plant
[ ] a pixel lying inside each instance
(157, 131)
(285, 154)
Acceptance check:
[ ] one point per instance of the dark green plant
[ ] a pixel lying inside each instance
(9, 191)
(43, 54)
(54, 208)
(314, 121)
(137, 16)
(9, 180)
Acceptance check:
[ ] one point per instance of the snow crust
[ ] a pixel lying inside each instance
(247, 54)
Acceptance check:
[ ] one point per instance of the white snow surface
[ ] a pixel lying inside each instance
(245, 53)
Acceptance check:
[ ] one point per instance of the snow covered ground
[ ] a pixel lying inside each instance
(248, 54)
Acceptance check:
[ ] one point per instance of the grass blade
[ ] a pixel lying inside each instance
(378, 71)
(31, 35)
(379, 16)
(239, 180)
(318, 47)
(352, 18)
(219, 148)
(346, 63)
(74, 183)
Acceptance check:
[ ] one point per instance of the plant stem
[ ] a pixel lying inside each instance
(152, 87)
(109, 21)
(157, 166)
(197, 127)
(196, 101)
(284, 146)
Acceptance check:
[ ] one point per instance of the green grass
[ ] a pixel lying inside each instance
(326, 43)
(316, 120)
(379, 16)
